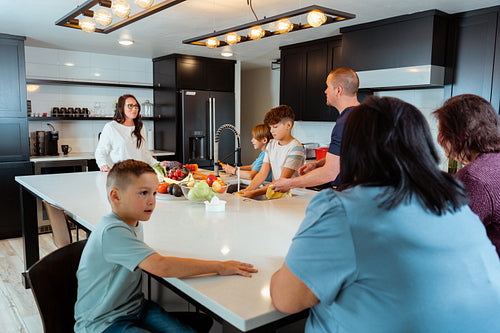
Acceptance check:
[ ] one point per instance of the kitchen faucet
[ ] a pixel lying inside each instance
(216, 147)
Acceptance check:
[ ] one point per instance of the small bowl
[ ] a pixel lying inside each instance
(210, 191)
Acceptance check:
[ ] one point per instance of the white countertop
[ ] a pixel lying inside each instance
(85, 156)
(258, 232)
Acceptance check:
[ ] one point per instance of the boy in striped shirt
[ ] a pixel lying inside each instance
(284, 154)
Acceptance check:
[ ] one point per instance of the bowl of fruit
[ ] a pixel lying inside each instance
(200, 190)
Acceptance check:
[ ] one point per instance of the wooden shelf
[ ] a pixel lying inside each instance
(86, 83)
(78, 118)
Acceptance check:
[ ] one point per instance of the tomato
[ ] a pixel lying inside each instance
(210, 179)
(162, 187)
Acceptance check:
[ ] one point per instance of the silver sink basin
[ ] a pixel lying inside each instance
(233, 188)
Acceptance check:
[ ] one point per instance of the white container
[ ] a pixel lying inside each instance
(215, 205)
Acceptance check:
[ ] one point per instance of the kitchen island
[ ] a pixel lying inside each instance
(258, 232)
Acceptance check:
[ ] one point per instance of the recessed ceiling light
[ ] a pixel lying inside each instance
(226, 54)
(125, 42)
(97, 74)
(69, 64)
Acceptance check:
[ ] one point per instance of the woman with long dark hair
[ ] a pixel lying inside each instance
(124, 137)
(396, 249)
(469, 132)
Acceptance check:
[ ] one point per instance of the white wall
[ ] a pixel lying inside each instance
(42, 63)
(259, 93)
(426, 100)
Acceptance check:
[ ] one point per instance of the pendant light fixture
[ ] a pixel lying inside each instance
(316, 18)
(271, 26)
(232, 38)
(103, 17)
(144, 4)
(120, 8)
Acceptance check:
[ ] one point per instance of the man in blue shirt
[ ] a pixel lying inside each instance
(341, 93)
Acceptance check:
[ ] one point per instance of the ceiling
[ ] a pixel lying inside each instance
(163, 32)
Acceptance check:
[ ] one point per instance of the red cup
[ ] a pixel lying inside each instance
(320, 152)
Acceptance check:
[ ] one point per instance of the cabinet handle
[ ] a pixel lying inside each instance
(210, 128)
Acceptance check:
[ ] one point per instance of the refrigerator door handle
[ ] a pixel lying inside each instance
(210, 129)
(214, 129)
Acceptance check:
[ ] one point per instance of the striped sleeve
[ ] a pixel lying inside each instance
(296, 157)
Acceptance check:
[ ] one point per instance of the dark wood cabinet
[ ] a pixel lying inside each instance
(476, 57)
(14, 142)
(303, 72)
(10, 223)
(191, 72)
(12, 77)
(14, 145)
(475, 54)
(173, 73)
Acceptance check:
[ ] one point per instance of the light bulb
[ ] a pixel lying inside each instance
(145, 4)
(103, 17)
(232, 38)
(120, 8)
(212, 43)
(256, 32)
(87, 24)
(284, 25)
(125, 42)
(32, 87)
(316, 18)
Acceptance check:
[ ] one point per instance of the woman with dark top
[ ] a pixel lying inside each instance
(469, 132)
(396, 249)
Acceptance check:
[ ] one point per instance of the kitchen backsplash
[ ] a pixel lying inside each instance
(426, 100)
(52, 64)
(81, 135)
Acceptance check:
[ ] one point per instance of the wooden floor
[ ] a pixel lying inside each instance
(18, 311)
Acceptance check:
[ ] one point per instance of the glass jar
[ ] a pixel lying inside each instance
(148, 108)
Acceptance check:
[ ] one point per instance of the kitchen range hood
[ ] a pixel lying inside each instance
(408, 51)
(403, 77)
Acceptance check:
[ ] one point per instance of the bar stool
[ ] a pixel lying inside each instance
(59, 222)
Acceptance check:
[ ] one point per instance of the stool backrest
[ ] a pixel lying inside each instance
(54, 285)
(59, 223)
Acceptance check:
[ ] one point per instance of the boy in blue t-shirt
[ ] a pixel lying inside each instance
(110, 295)
(261, 135)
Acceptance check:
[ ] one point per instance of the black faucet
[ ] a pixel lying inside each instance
(216, 147)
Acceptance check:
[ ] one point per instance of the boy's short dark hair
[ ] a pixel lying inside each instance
(282, 113)
(122, 173)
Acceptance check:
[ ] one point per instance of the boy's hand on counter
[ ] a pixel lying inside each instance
(236, 268)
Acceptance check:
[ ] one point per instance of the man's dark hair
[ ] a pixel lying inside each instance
(387, 142)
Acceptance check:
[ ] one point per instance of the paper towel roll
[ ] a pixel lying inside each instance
(151, 144)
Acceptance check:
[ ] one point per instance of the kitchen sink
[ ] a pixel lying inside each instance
(233, 188)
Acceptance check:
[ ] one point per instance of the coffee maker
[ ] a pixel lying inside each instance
(51, 139)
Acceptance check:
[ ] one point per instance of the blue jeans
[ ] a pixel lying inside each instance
(151, 318)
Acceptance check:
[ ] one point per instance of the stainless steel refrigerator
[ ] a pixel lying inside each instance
(201, 114)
